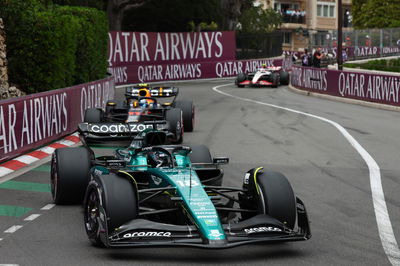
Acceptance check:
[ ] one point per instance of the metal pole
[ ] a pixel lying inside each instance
(340, 36)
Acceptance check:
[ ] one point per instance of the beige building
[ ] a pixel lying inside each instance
(309, 23)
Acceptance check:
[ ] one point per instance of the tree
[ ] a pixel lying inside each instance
(258, 20)
(376, 13)
(117, 8)
(172, 15)
(231, 11)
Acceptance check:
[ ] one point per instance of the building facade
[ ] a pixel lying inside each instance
(309, 23)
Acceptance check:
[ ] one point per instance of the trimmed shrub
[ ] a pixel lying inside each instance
(91, 55)
(50, 47)
(391, 65)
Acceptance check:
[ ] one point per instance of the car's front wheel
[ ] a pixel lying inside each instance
(116, 196)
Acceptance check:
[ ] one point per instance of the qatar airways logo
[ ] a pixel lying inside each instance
(127, 47)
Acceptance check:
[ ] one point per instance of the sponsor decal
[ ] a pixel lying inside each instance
(215, 233)
(157, 180)
(118, 128)
(262, 230)
(147, 234)
(155, 92)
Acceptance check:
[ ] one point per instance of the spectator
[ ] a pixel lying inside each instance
(345, 52)
(306, 59)
(317, 58)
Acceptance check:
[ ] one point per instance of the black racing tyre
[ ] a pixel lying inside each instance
(240, 78)
(200, 154)
(93, 115)
(274, 80)
(187, 108)
(174, 117)
(276, 197)
(69, 175)
(284, 78)
(118, 199)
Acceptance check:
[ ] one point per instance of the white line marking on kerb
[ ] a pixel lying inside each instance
(385, 229)
(31, 217)
(13, 229)
(48, 207)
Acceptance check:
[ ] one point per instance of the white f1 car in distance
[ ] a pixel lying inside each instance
(264, 76)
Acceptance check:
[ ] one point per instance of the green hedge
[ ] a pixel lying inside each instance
(391, 65)
(50, 47)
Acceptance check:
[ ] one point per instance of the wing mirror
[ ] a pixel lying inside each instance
(220, 160)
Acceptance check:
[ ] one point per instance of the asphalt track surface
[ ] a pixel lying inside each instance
(326, 172)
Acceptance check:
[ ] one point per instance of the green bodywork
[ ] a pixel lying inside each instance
(195, 200)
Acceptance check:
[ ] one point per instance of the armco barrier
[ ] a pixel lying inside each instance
(368, 87)
(31, 121)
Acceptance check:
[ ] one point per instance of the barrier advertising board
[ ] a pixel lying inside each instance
(31, 121)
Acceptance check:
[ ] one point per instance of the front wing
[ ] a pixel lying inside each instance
(258, 229)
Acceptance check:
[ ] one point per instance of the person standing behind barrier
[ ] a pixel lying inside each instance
(317, 58)
(306, 59)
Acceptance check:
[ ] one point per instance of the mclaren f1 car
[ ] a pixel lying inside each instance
(171, 195)
(265, 76)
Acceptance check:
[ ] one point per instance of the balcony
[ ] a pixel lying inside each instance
(293, 19)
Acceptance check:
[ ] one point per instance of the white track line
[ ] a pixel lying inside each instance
(385, 229)
(31, 217)
(48, 207)
(13, 229)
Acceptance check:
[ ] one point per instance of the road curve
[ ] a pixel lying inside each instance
(326, 172)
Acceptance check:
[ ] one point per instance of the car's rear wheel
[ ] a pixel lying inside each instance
(187, 108)
(274, 80)
(284, 78)
(200, 154)
(93, 115)
(174, 117)
(69, 175)
(117, 196)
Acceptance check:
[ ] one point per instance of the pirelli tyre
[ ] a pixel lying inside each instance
(93, 115)
(116, 196)
(240, 78)
(69, 175)
(201, 155)
(272, 194)
(174, 117)
(284, 78)
(187, 108)
(275, 80)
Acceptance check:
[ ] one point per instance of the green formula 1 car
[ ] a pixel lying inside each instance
(151, 194)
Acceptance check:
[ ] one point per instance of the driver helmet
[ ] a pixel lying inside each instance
(143, 103)
(159, 159)
(264, 65)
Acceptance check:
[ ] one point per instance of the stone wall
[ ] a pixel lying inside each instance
(6, 91)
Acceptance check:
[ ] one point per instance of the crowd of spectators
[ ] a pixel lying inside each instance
(293, 16)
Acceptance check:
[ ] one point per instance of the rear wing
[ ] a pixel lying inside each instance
(120, 128)
(139, 91)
